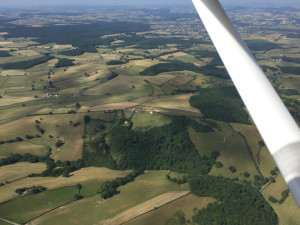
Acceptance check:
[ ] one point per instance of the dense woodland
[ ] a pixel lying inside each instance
(84, 36)
(178, 66)
(166, 147)
(64, 62)
(221, 103)
(262, 45)
(235, 204)
(4, 54)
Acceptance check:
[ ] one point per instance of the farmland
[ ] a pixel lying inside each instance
(136, 90)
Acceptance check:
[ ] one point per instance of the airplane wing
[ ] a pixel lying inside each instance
(274, 122)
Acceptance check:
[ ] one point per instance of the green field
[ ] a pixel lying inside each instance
(232, 148)
(145, 187)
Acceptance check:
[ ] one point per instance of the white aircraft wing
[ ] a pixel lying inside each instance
(274, 122)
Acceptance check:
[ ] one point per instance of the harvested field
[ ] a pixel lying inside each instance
(176, 54)
(145, 207)
(180, 102)
(19, 170)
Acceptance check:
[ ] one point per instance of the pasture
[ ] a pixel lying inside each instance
(94, 209)
(232, 148)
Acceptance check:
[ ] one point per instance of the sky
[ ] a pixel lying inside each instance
(40, 3)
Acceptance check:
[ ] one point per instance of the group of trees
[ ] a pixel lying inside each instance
(235, 203)
(26, 64)
(72, 52)
(31, 190)
(109, 188)
(284, 196)
(86, 39)
(4, 54)
(17, 139)
(166, 147)
(179, 65)
(221, 103)
(64, 62)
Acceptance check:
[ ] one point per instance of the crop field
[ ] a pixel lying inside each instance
(85, 175)
(159, 216)
(180, 102)
(19, 170)
(232, 148)
(145, 187)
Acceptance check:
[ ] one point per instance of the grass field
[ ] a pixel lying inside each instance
(159, 79)
(159, 216)
(93, 210)
(22, 148)
(145, 120)
(58, 126)
(84, 175)
(232, 148)
(19, 170)
(252, 136)
(145, 207)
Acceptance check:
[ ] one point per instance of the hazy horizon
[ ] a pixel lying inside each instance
(139, 3)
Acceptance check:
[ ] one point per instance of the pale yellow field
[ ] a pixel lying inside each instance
(187, 204)
(173, 55)
(180, 102)
(79, 176)
(19, 170)
(61, 46)
(145, 207)
(111, 106)
(9, 100)
(13, 72)
(22, 148)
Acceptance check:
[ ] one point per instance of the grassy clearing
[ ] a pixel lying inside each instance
(288, 212)
(232, 148)
(93, 210)
(19, 170)
(146, 120)
(177, 102)
(159, 216)
(82, 176)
